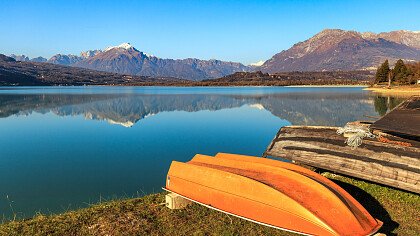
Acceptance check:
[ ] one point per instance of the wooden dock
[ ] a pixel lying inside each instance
(321, 147)
(387, 159)
(404, 120)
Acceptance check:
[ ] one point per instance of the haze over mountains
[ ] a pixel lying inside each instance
(329, 50)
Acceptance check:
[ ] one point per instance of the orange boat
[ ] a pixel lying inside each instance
(272, 193)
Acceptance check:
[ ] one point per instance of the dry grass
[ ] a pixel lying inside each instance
(147, 216)
(399, 91)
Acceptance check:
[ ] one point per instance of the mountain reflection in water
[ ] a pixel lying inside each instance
(332, 109)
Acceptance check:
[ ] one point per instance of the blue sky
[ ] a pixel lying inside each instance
(243, 31)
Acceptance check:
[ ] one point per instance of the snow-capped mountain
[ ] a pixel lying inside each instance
(126, 59)
(258, 63)
(123, 46)
(335, 49)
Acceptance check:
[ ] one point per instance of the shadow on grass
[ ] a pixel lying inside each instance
(372, 206)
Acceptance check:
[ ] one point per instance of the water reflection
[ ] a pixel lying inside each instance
(53, 158)
(127, 109)
(385, 104)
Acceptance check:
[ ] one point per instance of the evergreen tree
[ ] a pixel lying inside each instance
(382, 73)
(413, 72)
(400, 72)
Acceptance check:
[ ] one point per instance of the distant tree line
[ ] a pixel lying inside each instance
(401, 74)
(259, 78)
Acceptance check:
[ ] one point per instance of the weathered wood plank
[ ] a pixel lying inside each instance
(322, 147)
(370, 171)
(402, 120)
(337, 163)
(285, 146)
(360, 153)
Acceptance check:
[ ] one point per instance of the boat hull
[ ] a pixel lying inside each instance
(272, 195)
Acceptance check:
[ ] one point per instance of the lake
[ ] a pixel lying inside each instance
(63, 148)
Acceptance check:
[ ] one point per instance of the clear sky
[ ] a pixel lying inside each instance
(243, 31)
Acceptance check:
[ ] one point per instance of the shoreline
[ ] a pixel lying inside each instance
(149, 216)
(402, 90)
(7, 87)
(328, 86)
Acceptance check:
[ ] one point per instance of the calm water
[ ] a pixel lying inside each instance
(62, 148)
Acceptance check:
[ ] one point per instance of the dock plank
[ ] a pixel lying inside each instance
(402, 120)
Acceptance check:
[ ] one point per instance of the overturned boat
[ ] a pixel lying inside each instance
(272, 193)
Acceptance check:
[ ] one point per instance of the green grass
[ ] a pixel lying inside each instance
(148, 216)
(399, 210)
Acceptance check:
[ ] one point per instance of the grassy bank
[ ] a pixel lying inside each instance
(148, 216)
(396, 90)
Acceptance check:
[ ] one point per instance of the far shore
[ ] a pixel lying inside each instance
(185, 85)
(350, 85)
(400, 90)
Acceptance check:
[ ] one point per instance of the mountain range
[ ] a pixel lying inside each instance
(335, 49)
(25, 58)
(30, 73)
(329, 50)
(126, 59)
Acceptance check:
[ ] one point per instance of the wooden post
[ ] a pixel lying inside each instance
(390, 75)
(175, 201)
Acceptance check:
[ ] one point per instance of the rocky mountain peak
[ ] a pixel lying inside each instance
(368, 35)
(20, 57)
(90, 53)
(62, 59)
(39, 59)
(6, 58)
(323, 41)
(25, 58)
(335, 49)
(405, 37)
(329, 33)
